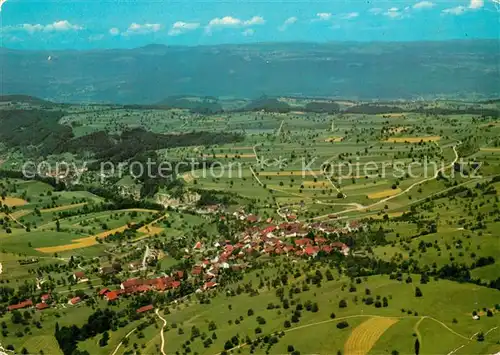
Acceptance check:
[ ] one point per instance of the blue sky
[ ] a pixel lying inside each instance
(86, 24)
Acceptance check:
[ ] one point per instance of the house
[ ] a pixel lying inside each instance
(24, 304)
(209, 285)
(80, 276)
(103, 291)
(45, 297)
(74, 301)
(131, 283)
(145, 309)
(42, 306)
(198, 246)
(111, 296)
(196, 270)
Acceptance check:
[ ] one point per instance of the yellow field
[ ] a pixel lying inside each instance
(334, 139)
(364, 336)
(81, 242)
(383, 194)
(397, 129)
(188, 177)
(14, 201)
(491, 150)
(63, 208)
(413, 139)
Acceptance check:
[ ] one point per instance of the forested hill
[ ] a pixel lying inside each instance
(453, 69)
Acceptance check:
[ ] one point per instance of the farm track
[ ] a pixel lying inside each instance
(120, 344)
(162, 349)
(411, 187)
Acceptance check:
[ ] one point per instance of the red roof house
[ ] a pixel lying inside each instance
(74, 300)
(111, 296)
(41, 306)
(80, 276)
(45, 297)
(103, 291)
(24, 304)
(145, 309)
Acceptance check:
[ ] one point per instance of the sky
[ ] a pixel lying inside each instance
(95, 24)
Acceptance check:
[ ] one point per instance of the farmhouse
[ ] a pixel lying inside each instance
(80, 276)
(24, 304)
(74, 301)
(42, 306)
(45, 297)
(145, 309)
(111, 296)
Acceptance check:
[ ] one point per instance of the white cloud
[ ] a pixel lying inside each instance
(256, 20)
(114, 31)
(288, 22)
(376, 10)
(32, 28)
(476, 4)
(1, 4)
(350, 15)
(248, 32)
(323, 16)
(224, 22)
(393, 12)
(63, 25)
(229, 21)
(58, 26)
(182, 27)
(459, 10)
(136, 28)
(424, 5)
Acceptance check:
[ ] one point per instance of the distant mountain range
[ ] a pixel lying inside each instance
(363, 71)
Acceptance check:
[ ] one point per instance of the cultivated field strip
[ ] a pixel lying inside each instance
(364, 336)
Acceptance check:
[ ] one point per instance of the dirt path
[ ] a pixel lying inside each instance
(408, 189)
(120, 344)
(162, 349)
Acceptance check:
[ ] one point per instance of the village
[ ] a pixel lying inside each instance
(292, 239)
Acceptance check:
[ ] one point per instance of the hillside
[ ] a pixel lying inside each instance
(454, 69)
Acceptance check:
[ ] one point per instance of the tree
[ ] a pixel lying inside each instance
(480, 336)
(290, 348)
(212, 326)
(287, 324)
(228, 345)
(417, 347)
(250, 312)
(418, 292)
(342, 304)
(342, 325)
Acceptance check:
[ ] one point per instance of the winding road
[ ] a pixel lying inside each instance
(162, 349)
